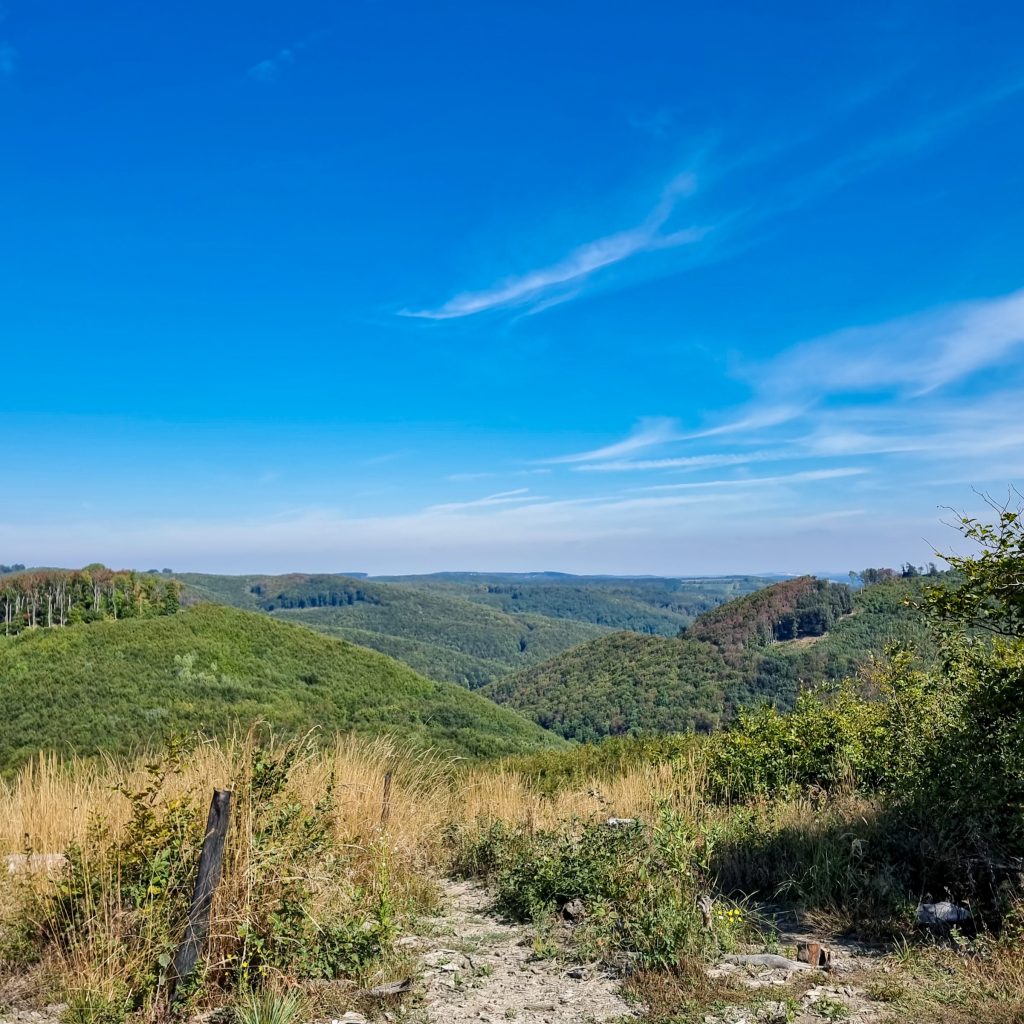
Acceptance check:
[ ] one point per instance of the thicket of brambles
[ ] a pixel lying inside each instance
(48, 597)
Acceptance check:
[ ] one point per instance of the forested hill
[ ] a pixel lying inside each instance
(801, 607)
(442, 636)
(763, 647)
(471, 628)
(624, 683)
(117, 685)
(642, 604)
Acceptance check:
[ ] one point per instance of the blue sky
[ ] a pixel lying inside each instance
(646, 287)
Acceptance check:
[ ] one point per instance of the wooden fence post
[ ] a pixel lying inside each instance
(207, 879)
(385, 810)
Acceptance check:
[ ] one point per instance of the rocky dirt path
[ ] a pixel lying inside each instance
(478, 967)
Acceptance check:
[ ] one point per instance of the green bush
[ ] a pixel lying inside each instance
(639, 883)
(835, 737)
(941, 746)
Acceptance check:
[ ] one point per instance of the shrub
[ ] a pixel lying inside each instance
(639, 883)
(942, 747)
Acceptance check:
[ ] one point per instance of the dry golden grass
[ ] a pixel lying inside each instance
(52, 804)
(936, 983)
(488, 795)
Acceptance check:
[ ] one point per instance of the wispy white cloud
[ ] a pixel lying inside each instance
(490, 474)
(268, 71)
(714, 460)
(386, 457)
(694, 533)
(537, 285)
(654, 504)
(755, 419)
(948, 430)
(521, 494)
(806, 476)
(459, 478)
(891, 390)
(648, 433)
(913, 138)
(889, 395)
(915, 354)
(562, 280)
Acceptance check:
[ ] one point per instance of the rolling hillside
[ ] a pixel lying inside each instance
(631, 683)
(473, 628)
(116, 685)
(789, 610)
(640, 604)
(441, 635)
(624, 683)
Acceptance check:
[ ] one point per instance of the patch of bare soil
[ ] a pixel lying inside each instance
(846, 991)
(24, 1015)
(19, 1003)
(800, 642)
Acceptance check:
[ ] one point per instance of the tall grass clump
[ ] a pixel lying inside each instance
(317, 874)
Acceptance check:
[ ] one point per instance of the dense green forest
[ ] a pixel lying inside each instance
(54, 597)
(624, 683)
(576, 678)
(473, 628)
(114, 685)
(640, 604)
(628, 683)
(442, 636)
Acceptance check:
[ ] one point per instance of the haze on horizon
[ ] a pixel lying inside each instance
(660, 289)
